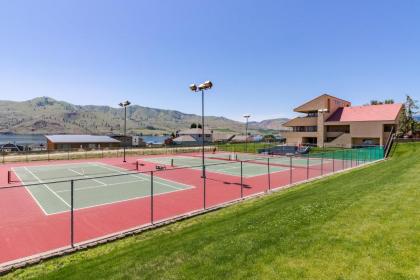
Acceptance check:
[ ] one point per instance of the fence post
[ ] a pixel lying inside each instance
(151, 198)
(351, 158)
(333, 156)
(342, 158)
(291, 170)
(204, 188)
(242, 181)
(269, 175)
(307, 167)
(72, 213)
(322, 164)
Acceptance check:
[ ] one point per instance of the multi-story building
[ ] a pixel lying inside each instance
(332, 122)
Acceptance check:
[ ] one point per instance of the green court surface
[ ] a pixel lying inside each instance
(281, 160)
(89, 189)
(217, 166)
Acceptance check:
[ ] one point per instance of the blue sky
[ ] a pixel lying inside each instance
(264, 57)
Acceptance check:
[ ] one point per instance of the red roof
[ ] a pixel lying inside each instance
(384, 112)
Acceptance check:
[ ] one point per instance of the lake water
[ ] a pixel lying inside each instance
(32, 139)
(23, 139)
(156, 140)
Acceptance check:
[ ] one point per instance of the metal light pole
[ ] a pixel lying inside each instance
(202, 87)
(124, 105)
(246, 132)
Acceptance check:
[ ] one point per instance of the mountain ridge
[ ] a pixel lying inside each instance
(43, 115)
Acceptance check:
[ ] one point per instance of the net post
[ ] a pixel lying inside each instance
(269, 175)
(242, 181)
(9, 176)
(72, 213)
(152, 202)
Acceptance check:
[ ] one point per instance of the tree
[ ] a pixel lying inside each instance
(407, 122)
(269, 138)
(375, 102)
(193, 125)
(199, 125)
(379, 102)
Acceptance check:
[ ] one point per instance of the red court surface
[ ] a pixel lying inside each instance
(25, 230)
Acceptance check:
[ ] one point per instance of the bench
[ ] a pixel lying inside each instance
(160, 167)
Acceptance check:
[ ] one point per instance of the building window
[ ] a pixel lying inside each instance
(312, 114)
(305, 128)
(338, 128)
(388, 127)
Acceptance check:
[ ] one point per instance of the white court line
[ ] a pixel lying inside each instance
(81, 174)
(57, 164)
(102, 186)
(99, 164)
(54, 193)
(147, 177)
(27, 189)
(122, 200)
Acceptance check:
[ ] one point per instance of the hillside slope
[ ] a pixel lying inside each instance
(45, 115)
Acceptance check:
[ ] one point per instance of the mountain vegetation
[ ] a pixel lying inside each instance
(43, 115)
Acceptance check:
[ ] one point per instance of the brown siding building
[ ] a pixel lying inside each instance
(332, 122)
(87, 142)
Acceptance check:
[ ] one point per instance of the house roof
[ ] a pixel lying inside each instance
(81, 139)
(383, 112)
(320, 102)
(184, 138)
(240, 138)
(222, 136)
(195, 131)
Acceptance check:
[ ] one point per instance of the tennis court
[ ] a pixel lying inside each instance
(55, 197)
(263, 159)
(226, 167)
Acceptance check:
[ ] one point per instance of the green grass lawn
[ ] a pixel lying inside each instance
(362, 224)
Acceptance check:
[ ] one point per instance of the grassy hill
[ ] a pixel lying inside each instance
(361, 224)
(45, 115)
